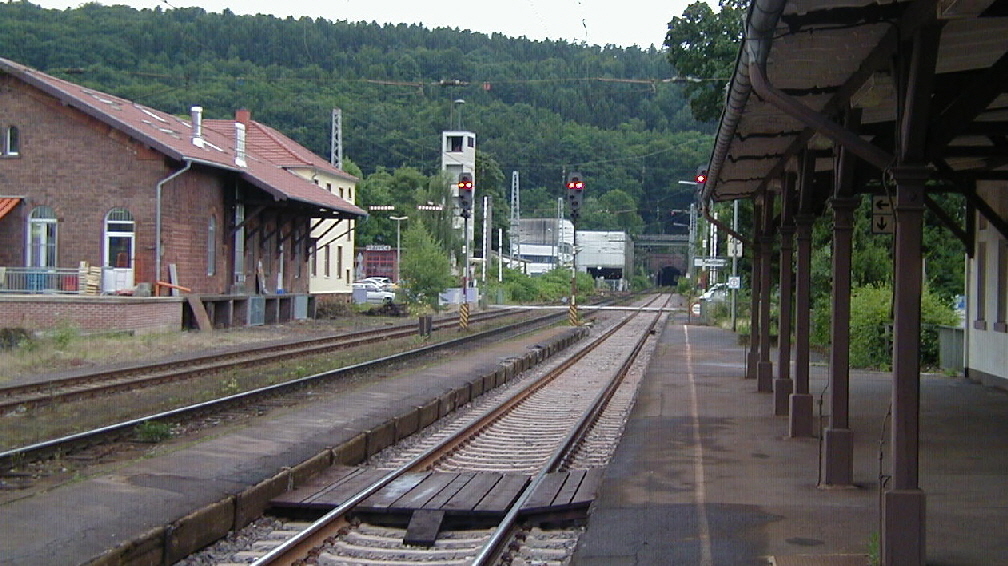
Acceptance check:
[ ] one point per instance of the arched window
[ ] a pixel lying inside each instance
(42, 237)
(12, 143)
(211, 254)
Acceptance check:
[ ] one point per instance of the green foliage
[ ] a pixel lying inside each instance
(549, 288)
(686, 287)
(63, 335)
(640, 283)
(872, 263)
(871, 326)
(152, 431)
(11, 338)
(537, 106)
(424, 265)
(704, 45)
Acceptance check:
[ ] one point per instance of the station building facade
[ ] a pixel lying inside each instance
(986, 324)
(147, 197)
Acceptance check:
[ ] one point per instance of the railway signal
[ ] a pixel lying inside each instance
(575, 198)
(701, 176)
(466, 188)
(575, 194)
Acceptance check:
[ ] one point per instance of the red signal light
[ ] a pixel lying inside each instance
(701, 176)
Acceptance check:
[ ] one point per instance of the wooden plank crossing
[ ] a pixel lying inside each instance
(455, 493)
(563, 492)
(327, 490)
(482, 495)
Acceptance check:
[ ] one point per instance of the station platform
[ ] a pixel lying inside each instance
(706, 475)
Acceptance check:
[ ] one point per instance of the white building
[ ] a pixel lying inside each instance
(607, 257)
(987, 294)
(545, 243)
(458, 155)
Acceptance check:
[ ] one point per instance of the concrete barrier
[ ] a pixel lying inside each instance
(198, 530)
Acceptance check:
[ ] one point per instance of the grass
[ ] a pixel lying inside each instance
(43, 423)
(66, 348)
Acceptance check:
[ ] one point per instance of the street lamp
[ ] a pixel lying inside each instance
(398, 251)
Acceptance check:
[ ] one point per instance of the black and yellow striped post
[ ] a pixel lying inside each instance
(573, 314)
(464, 316)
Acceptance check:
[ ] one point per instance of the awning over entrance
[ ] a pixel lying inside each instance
(7, 204)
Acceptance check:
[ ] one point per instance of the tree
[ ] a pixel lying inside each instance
(615, 210)
(704, 45)
(424, 266)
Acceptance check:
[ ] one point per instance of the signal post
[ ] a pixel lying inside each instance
(466, 188)
(575, 197)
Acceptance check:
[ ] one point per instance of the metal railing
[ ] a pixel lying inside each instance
(48, 280)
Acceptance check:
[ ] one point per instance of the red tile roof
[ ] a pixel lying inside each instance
(172, 136)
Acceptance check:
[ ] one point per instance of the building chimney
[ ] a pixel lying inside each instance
(240, 144)
(244, 116)
(197, 126)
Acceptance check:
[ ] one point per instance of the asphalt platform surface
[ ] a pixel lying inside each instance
(706, 475)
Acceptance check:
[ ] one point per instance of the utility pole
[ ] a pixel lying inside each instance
(515, 223)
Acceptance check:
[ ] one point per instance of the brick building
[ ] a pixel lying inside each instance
(148, 196)
(379, 261)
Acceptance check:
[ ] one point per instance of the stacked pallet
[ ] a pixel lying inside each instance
(91, 277)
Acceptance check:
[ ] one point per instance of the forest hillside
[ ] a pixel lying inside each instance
(537, 107)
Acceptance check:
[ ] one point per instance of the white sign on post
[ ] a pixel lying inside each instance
(711, 262)
(734, 247)
(735, 282)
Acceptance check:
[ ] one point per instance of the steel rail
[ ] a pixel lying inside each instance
(70, 443)
(495, 545)
(157, 373)
(294, 550)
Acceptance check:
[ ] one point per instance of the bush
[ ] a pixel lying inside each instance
(11, 338)
(871, 326)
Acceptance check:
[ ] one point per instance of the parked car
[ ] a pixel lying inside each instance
(382, 282)
(716, 292)
(371, 292)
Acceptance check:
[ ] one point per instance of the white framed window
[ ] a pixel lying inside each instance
(11, 141)
(42, 232)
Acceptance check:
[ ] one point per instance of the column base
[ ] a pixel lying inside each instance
(764, 377)
(838, 457)
(752, 361)
(802, 422)
(903, 527)
(782, 389)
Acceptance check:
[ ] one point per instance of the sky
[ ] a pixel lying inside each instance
(596, 22)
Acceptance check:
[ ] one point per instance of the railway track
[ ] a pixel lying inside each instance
(106, 381)
(568, 419)
(265, 396)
